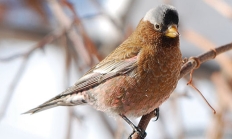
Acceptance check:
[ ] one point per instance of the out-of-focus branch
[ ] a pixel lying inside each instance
(167, 2)
(69, 123)
(118, 134)
(223, 89)
(103, 12)
(87, 41)
(120, 24)
(190, 65)
(83, 44)
(68, 59)
(46, 40)
(76, 39)
(221, 6)
(12, 87)
(224, 96)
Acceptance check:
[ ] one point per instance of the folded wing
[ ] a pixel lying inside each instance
(97, 75)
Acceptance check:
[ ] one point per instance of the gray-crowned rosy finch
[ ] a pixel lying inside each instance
(137, 77)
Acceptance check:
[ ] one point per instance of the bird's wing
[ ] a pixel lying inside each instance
(101, 73)
(96, 76)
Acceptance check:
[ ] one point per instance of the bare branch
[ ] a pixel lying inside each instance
(195, 62)
(205, 44)
(143, 124)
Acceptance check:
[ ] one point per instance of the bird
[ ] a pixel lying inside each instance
(137, 77)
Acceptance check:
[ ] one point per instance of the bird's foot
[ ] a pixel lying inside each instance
(140, 131)
(156, 113)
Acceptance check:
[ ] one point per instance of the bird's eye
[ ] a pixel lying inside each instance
(157, 27)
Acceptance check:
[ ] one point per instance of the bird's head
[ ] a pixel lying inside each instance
(164, 19)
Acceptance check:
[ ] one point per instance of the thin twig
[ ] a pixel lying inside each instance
(190, 83)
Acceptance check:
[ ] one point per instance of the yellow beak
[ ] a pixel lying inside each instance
(172, 31)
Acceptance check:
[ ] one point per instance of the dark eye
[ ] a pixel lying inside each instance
(157, 27)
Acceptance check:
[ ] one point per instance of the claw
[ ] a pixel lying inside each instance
(141, 132)
(156, 113)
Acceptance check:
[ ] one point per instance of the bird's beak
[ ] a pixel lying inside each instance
(172, 31)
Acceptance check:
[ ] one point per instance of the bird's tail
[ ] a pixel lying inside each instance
(54, 102)
(61, 100)
(40, 108)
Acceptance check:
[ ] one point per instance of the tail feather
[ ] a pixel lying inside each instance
(66, 100)
(46, 105)
(41, 108)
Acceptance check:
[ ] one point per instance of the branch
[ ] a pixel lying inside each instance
(191, 64)
(90, 46)
(221, 6)
(74, 37)
(46, 40)
(203, 43)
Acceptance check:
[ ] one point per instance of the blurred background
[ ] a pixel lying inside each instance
(47, 45)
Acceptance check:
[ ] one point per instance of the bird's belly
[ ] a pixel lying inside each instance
(143, 100)
(128, 96)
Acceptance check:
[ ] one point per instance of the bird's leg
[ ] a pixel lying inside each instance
(141, 132)
(156, 113)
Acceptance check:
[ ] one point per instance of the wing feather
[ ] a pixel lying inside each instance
(102, 73)
(108, 68)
